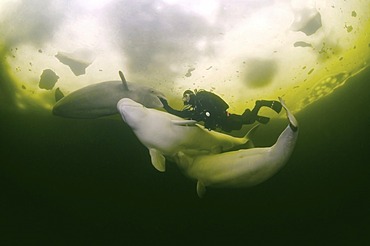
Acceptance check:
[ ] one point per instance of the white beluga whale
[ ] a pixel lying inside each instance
(165, 135)
(242, 168)
(101, 99)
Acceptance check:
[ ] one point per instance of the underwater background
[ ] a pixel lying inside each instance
(90, 182)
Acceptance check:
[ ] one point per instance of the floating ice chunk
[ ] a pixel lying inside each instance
(58, 94)
(307, 20)
(77, 61)
(48, 79)
(188, 74)
(302, 44)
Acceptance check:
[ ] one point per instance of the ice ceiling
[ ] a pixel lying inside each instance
(242, 50)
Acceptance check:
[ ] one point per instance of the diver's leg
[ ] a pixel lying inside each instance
(250, 117)
(232, 122)
(274, 105)
(263, 119)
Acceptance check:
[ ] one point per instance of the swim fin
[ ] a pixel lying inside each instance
(276, 106)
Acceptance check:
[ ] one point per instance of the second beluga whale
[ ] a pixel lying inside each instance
(165, 135)
(242, 168)
(98, 100)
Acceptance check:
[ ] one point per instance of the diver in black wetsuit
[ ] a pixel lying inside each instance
(212, 110)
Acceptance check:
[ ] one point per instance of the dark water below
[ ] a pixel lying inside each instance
(90, 182)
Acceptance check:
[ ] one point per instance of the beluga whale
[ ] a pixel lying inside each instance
(165, 135)
(241, 168)
(98, 100)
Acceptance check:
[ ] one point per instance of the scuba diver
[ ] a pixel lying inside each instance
(212, 110)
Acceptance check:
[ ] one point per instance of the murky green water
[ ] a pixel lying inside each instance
(90, 182)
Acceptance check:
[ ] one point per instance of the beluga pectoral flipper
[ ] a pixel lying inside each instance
(242, 168)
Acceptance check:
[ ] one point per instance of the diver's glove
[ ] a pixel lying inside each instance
(164, 102)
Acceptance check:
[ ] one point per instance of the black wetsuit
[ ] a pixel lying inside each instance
(212, 110)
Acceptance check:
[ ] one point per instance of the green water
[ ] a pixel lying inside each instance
(90, 182)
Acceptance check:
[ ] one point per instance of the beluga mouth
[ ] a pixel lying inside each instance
(127, 102)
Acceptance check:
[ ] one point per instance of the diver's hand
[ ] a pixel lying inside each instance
(164, 102)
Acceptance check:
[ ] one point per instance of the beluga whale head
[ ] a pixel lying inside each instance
(132, 112)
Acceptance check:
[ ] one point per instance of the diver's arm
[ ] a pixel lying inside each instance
(181, 113)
